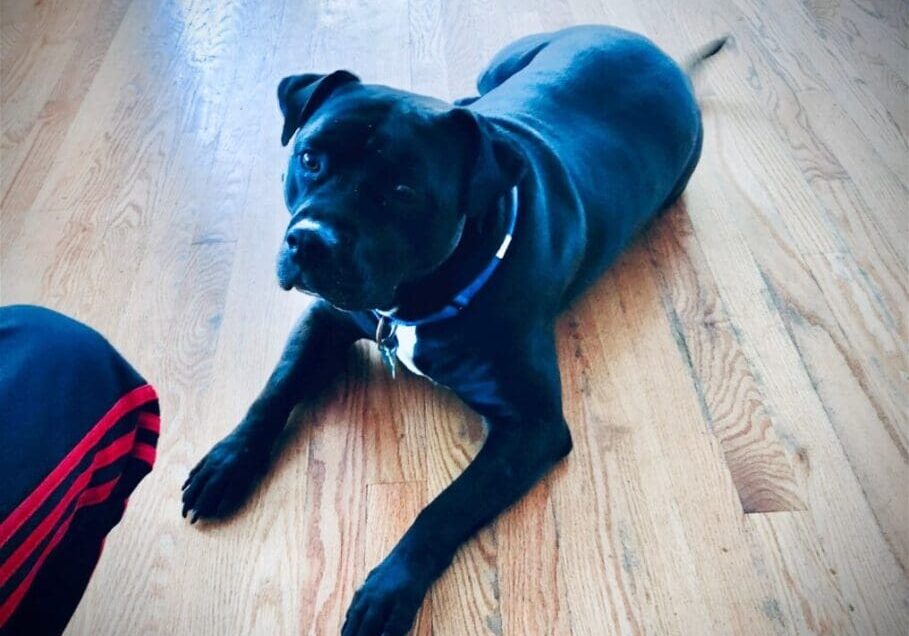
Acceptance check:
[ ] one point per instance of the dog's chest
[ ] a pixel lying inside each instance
(437, 359)
(407, 344)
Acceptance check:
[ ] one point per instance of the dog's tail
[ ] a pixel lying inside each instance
(694, 61)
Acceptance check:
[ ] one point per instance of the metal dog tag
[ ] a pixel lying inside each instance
(388, 344)
(390, 358)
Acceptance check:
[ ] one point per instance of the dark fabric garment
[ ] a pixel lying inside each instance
(78, 430)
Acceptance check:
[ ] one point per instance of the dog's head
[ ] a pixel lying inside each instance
(380, 185)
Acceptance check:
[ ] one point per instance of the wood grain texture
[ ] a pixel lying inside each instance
(390, 509)
(729, 393)
(736, 385)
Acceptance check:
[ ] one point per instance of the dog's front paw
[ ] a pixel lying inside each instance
(222, 480)
(388, 601)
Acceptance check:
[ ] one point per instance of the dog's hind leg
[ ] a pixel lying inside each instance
(506, 63)
(682, 183)
(512, 59)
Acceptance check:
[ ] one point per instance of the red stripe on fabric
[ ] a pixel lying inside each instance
(150, 422)
(129, 402)
(145, 452)
(96, 495)
(89, 497)
(104, 457)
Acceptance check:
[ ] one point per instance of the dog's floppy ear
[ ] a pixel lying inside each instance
(300, 95)
(494, 163)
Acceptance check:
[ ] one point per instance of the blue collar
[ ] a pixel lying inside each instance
(463, 298)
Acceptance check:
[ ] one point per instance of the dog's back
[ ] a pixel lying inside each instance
(616, 111)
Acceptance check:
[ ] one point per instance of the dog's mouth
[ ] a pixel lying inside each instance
(289, 274)
(347, 295)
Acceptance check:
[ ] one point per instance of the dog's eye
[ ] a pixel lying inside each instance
(310, 162)
(405, 193)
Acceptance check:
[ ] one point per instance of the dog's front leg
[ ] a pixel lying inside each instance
(527, 436)
(313, 357)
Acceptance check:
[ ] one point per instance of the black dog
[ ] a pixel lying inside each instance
(454, 236)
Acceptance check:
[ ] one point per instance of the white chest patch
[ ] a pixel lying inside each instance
(407, 342)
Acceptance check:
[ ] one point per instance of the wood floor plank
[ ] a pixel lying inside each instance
(31, 62)
(190, 279)
(824, 141)
(835, 75)
(866, 38)
(893, 15)
(531, 592)
(828, 481)
(729, 394)
(27, 154)
(390, 509)
(465, 600)
(876, 53)
(142, 143)
(806, 295)
(880, 196)
(618, 525)
(41, 87)
(807, 597)
(335, 512)
(786, 257)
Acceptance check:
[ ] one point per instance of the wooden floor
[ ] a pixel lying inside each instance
(736, 386)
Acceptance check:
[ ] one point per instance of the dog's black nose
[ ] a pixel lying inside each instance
(311, 241)
(305, 243)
